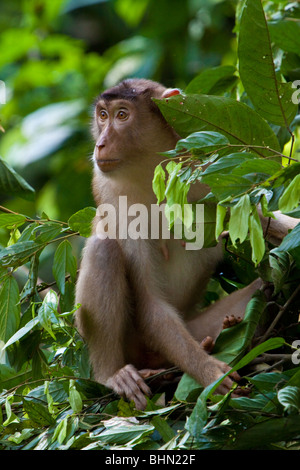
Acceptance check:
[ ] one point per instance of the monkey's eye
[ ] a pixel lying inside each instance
(122, 115)
(103, 115)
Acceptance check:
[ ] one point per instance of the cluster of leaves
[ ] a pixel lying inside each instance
(48, 398)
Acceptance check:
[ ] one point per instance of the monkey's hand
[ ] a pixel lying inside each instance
(128, 383)
(215, 369)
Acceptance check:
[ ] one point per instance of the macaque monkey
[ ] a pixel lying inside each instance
(138, 296)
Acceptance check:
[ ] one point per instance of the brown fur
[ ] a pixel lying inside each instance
(138, 297)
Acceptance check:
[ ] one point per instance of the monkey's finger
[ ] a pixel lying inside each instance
(207, 344)
(225, 386)
(136, 380)
(235, 376)
(146, 373)
(240, 392)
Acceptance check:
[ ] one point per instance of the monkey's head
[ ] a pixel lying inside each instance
(128, 126)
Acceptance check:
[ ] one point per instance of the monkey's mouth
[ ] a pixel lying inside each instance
(107, 165)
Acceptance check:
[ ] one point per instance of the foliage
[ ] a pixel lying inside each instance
(245, 124)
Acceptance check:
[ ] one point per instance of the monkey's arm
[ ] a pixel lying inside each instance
(102, 291)
(100, 319)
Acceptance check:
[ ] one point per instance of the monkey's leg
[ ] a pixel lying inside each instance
(165, 331)
(102, 290)
(210, 321)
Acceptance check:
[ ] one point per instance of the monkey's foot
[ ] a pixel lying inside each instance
(207, 344)
(230, 320)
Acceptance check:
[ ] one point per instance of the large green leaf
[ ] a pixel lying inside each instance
(12, 183)
(237, 121)
(233, 341)
(213, 81)
(266, 432)
(270, 97)
(285, 34)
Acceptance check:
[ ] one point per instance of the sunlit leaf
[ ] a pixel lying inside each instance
(81, 221)
(239, 217)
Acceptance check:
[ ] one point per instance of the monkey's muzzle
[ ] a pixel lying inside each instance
(107, 165)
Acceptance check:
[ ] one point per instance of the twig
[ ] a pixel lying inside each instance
(282, 309)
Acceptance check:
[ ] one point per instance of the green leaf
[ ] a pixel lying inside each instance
(291, 196)
(213, 81)
(47, 312)
(12, 183)
(289, 397)
(285, 34)
(187, 387)
(46, 232)
(163, 428)
(235, 120)
(226, 164)
(264, 207)
(121, 430)
(199, 142)
(60, 432)
(32, 278)
(271, 98)
(256, 237)
(19, 437)
(17, 254)
(257, 165)
(81, 221)
(268, 381)
(22, 332)
(74, 397)
(291, 243)
(11, 417)
(232, 342)
(64, 262)
(226, 186)
(239, 217)
(11, 220)
(158, 183)
(9, 308)
(220, 216)
(37, 412)
(280, 262)
(176, 196)
(269, 431)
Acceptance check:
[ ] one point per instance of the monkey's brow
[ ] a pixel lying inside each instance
(128, 95)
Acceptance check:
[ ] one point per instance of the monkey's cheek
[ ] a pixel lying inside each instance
(107, 165)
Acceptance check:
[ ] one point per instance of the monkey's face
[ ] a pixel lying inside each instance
(115, 123)
(127, 132)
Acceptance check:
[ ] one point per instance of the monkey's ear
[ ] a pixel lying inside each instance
(171, 92)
